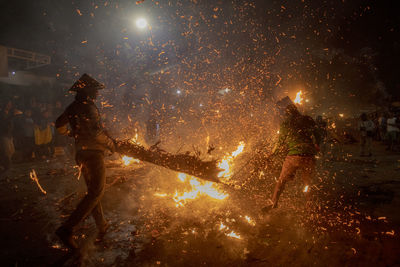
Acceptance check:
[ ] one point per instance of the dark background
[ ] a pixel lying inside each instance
(342, 50)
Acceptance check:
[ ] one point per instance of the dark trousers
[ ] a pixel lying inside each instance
(93, 170)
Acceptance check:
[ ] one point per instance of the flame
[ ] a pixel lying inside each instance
(249, 220)
(234, 235)
(298, 98)
(231, 234)
(129, 160)
(182, 176)
(135, 138)
(222, 226)
(226, 162)
(198, 188)
(341, 115)
(305, 190)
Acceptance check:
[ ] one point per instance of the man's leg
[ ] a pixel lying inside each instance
(95, 190)
(369, 146)
(288, 171)
(362, 145)
(95, 183)
(390, 140)
(97, 211)
(308, 169)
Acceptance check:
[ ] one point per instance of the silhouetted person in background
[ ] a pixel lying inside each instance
(6, 139)
(393, 132)
(29, 137)
(366, 128)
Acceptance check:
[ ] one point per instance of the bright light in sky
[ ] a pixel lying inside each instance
(141, 23)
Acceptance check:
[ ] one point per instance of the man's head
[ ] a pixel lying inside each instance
(87, 87)
(287, 106)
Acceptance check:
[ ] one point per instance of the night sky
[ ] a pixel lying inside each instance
(347, 47)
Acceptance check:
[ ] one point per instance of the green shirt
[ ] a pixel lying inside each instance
(299, 134)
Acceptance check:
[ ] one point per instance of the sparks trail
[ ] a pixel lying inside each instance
(33, 176)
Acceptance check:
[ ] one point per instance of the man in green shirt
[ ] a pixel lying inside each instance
(298, 137)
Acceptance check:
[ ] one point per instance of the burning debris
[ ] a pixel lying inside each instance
(206, 170)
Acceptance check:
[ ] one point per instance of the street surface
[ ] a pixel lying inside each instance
(353, 220)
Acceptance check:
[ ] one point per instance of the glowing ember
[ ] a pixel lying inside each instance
(341, 115)
(234, 235)
(305, 190)
(298, 98)
(226, 162)
(129, 160)
(222, 226)
(249, 220)
(160, 195)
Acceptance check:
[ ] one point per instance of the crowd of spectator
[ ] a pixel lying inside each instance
(27, 132)
(383, 127)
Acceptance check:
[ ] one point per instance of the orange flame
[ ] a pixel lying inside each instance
(234, 235)
(223, 227)
(249, 220)
(298, 98)
(226, 162)
(198, 189)
(135, 139)
(129, 160)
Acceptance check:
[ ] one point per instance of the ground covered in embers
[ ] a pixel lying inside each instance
(351, 221)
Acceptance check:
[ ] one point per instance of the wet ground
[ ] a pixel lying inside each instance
(352, 221)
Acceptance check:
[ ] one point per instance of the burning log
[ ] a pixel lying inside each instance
(192, 165)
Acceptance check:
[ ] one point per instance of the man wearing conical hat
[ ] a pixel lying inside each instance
(81, 120)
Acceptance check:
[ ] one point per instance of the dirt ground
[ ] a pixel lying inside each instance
(353, 220)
